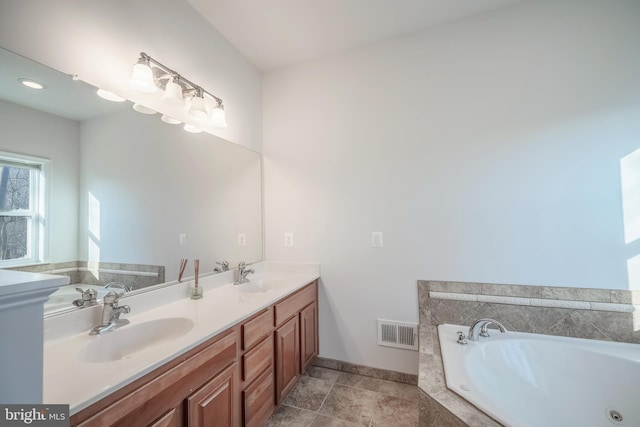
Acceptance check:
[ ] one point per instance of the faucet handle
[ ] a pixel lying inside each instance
(89, 297)
(111, 298)
(462, 340)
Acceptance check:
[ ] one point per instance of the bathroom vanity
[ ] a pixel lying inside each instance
(229, 360)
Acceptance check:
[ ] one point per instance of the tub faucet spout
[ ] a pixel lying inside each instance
(479, 328)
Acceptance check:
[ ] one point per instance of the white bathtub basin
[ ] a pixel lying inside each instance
(531, 380)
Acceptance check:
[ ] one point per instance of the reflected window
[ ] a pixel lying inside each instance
(21, 210)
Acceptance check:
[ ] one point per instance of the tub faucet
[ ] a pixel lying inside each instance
(243, 272)
(118, 285)
(111, 314)
(224, 266)
(479, 328)
(89, 297)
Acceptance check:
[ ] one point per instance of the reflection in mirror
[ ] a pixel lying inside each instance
(124, 195)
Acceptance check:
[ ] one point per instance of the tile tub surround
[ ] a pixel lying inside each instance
(604, 314)
(575, 312)
(100, 273)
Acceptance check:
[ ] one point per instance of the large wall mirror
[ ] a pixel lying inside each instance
(127, 196)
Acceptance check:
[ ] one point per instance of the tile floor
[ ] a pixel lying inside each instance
(327, 398)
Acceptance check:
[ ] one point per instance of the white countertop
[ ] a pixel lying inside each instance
(21, 282)
(70, 380)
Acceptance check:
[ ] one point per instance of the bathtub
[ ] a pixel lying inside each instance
(531, 380)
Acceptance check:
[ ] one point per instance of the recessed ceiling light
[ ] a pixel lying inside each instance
(32, 84)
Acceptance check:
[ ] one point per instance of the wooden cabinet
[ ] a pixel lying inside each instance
(173, 418)
(259, 399)
(164, 391)
(296, 337)
(308, 335)
(215, 404)
(287, 357)
(235, 378)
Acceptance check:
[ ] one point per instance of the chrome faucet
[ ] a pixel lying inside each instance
(243, 272)
(118, 285)
(224, 266)
(479, 328)
(88, 297)
(111, 314)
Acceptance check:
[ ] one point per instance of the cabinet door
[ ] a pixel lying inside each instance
(259, 400)
(287, 357)
(308, 335)
(172, 418)
(216, 403)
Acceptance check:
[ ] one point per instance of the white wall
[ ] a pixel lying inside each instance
(101, 40)
(34, 133)
(487, 149)
(151, 182)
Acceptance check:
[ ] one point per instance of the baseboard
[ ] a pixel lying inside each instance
(368, 371)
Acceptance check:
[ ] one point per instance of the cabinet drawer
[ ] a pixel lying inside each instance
(296, 302)
(257, 360)
(257, 329)
(259, 400)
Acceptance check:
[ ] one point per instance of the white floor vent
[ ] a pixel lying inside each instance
(398, 334)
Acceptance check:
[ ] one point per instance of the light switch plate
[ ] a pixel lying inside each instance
(242, 239)
(183, 239)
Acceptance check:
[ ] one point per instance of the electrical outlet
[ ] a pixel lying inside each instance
(242, 239)
(376, 239)
(288, 239)
(183, 239)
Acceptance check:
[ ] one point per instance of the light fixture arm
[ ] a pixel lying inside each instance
(192, 87)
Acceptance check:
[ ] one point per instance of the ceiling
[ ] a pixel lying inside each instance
(62, 96)
(277, 33)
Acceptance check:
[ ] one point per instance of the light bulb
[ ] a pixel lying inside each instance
(109, 96)
(173, 93)
(170, 120)
(192, 129)
(144, 110)
(142, 77)
(218, 116)
(197, 109)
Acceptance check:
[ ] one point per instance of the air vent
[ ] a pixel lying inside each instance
(398, 334)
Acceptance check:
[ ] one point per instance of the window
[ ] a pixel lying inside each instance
(21, 210)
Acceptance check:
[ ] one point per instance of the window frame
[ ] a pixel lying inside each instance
(37, 232)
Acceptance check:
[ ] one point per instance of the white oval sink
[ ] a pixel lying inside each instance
(130, 339)
(261, 285)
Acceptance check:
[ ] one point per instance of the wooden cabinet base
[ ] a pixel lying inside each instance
(215, 404)
(259, 400)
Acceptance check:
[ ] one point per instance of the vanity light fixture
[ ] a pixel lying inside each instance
(142, 75)
(109, 96)
(150, 75)
(142, 109)
(192, 129)
(170, 120)
(32, 84)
